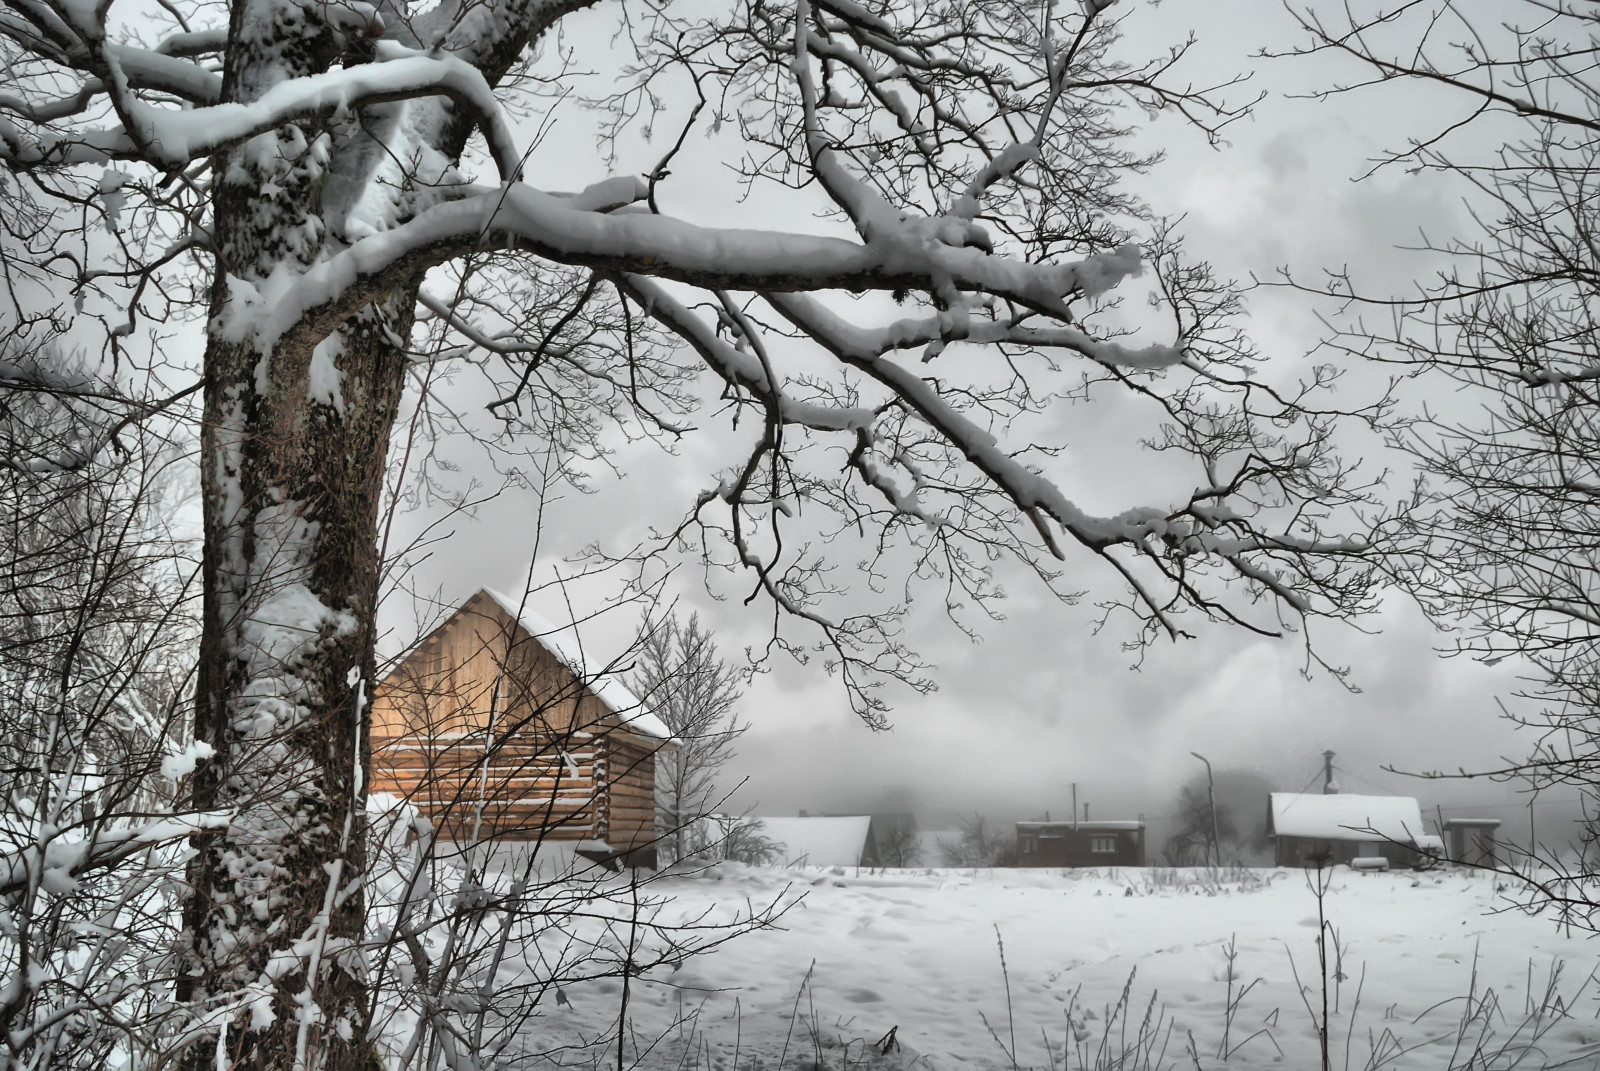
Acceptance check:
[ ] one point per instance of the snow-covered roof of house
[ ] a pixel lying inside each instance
(563, 642)
(1097, 826)
(820, 841)
(1337, 816)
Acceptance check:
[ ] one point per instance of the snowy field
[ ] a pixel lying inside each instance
(1126, 969)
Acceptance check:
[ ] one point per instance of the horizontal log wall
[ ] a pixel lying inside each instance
(631, 789)
(522, 785)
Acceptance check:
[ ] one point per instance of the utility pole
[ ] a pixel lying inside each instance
(1211, 797)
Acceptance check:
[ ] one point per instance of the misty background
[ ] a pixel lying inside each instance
(1051, 696)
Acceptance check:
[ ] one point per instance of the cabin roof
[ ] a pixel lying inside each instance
(1338, 816)
(567, 646)
(565, 643)
(1097, 826)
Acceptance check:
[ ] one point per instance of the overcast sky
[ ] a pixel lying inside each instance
(1043, 702)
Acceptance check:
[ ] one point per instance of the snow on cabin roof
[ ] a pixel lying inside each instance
(1341, 817)
(569, 649)
(1097, 826)
(820, 841)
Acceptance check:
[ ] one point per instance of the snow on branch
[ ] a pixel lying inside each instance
(946, 327)
(170, 139)
(1182, 530)
(737, 367)
(910, 253)
(59, 861)
(194, 43)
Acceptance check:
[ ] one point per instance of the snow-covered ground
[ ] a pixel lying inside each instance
(919, 952)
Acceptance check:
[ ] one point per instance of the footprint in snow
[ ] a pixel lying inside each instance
(863, 996)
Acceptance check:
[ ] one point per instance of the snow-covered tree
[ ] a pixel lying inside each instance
(1239, 834)
(978, 844)
(95, 630)
(349, 195)
(682, 679)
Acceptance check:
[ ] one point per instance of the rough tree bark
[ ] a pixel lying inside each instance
(292, 459)
(293, 450)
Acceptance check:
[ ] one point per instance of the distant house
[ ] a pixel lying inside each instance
(497, 725)
(893, 839)
(1322, 829)
(1470, 841)
(1078, 844)
(821, 841)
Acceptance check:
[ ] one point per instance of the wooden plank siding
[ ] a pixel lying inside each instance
(631, 788)
(491, 735)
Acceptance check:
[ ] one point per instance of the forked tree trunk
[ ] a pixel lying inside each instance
(292, 457)
(293, 454)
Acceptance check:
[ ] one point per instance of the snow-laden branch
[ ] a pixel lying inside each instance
(60, 861)
(915, 253)
(143, 69)
(736, 367)
(870, 213)
(1033, 493)
(194, 43)
(153, 71)
(1030, 491)
(945, 327)
(168, 138)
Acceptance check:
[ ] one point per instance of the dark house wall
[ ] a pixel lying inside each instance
(1312, 852)
(892, 841)
(1471, 842)
(1042, 844)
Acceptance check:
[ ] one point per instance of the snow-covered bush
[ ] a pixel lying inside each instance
(978, 844)
(713, 838)
(471, 946)
(96, 638)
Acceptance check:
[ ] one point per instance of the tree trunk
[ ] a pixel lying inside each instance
(292, 458)
(293, 452)
(286, 664)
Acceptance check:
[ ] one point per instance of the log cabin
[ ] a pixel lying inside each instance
(498, 727)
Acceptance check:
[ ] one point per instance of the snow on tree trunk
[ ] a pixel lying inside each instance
(291, 569)
(293, 451)
(296, 431)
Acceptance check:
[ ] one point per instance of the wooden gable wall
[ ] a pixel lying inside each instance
(489, 733)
